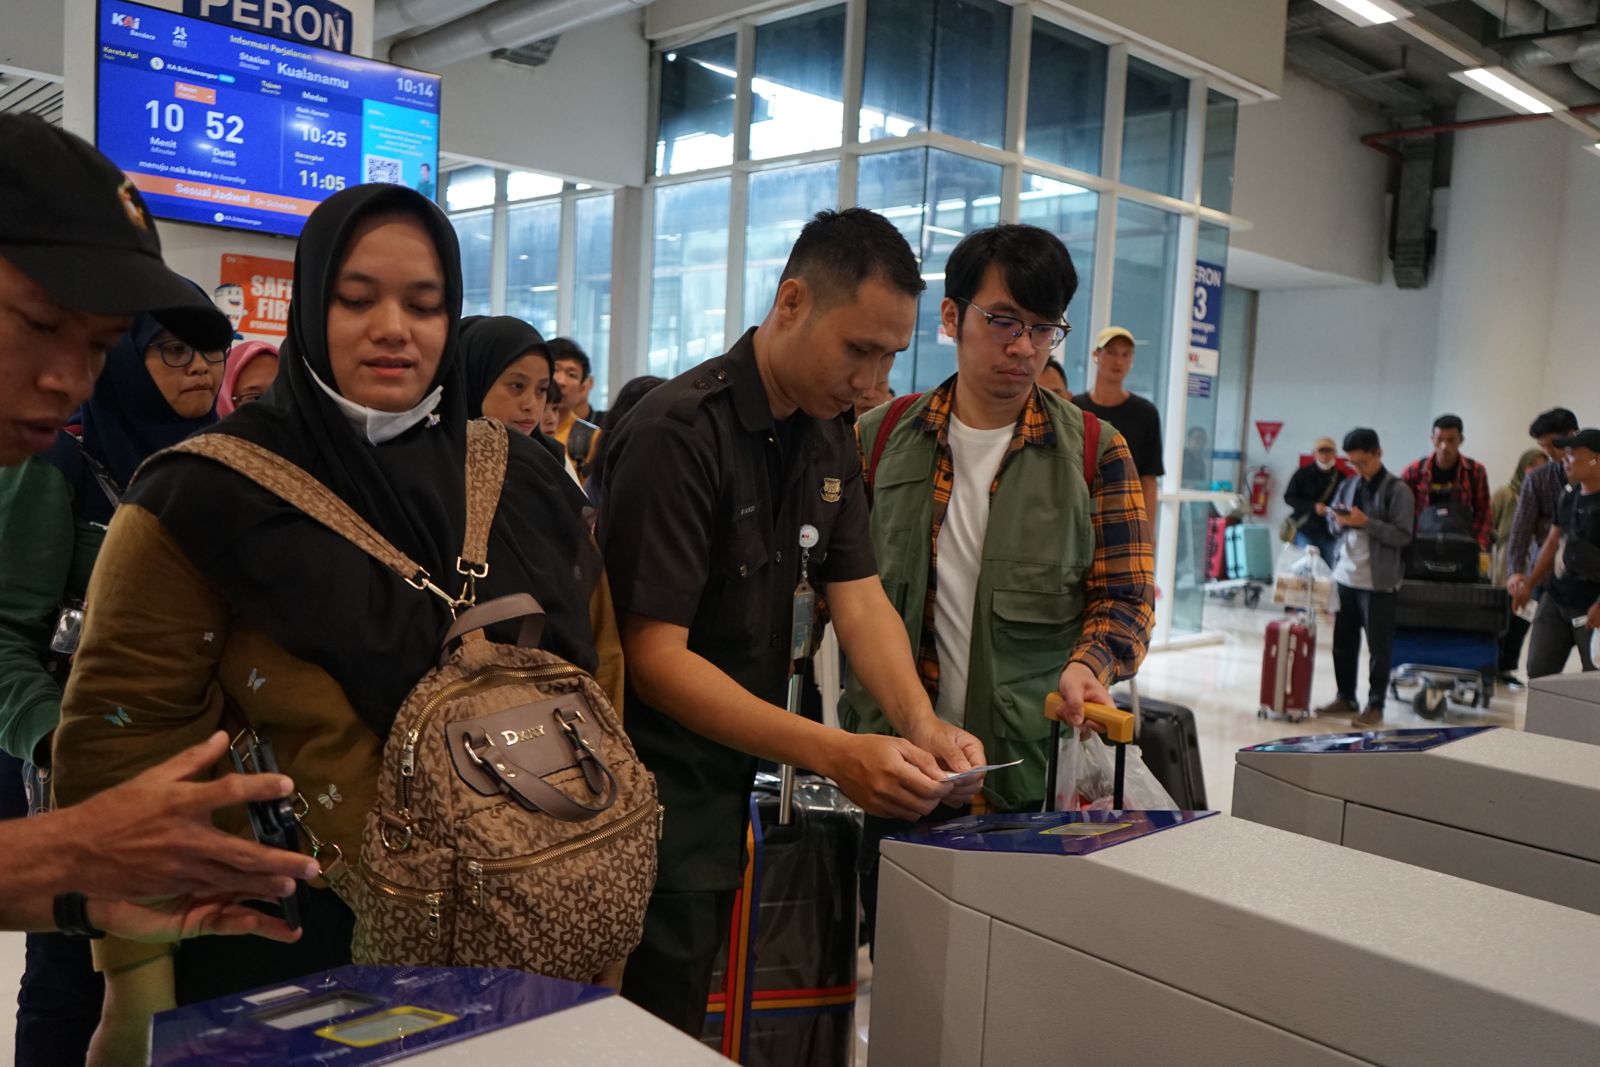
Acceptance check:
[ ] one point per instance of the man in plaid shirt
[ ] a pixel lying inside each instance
(1010, 531)
(1444, 476)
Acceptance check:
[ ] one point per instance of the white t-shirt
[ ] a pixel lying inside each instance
(976, 455)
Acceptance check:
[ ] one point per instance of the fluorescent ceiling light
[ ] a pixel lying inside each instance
(1595, 148)
(1368, 12)
(1510, 90)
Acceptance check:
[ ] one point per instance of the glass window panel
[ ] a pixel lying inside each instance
(797, 89)
(533, 248)
(591, 295)
(689, 276)
(1216, 174)
(935, 198)
(1066, 97)
(1153, 128)
(475, 232)
(1142, 293)
(530, 185)
(697, 90)
(469, 187)
(936, 64)
(781, 202)
(1072, 214)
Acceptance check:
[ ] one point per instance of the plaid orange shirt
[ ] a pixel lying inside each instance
(1120, 587)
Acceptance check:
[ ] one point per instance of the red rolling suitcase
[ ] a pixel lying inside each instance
(1286, 667)
(1217, 548)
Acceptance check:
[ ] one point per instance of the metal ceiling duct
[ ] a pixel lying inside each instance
(503, 24)
(390, 17)
(1552, 51)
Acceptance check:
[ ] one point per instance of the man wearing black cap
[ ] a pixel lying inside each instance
(79, 256)
(1569, 565)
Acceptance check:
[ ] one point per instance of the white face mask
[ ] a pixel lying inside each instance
(1326, 464)
(380, 426)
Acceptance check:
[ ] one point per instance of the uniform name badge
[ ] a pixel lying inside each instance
(832, 490)
(802, 619)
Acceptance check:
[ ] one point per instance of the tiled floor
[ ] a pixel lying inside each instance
(1219, 681)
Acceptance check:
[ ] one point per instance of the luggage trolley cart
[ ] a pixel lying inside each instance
(1446, 644)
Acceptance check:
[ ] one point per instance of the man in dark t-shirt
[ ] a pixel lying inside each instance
(724, 489)
(1569, 565)
(1135, 417)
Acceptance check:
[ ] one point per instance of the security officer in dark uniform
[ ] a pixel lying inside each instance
(731, 491)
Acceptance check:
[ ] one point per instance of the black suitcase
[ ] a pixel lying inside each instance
(1460, 607)
(1442, 558)
(783, 992)
(1170, 747)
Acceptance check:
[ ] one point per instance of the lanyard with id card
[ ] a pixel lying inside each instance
(802, 629)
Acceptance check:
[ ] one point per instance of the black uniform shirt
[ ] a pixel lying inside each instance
(700, 527)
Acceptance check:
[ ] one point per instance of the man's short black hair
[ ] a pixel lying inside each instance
(1035, 265)
(566, 348)
(1055, 364)
(1556, 420)
(1449, 422)
(838, 250)
(1361, 439)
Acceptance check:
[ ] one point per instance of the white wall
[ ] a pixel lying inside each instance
(1329, 360)
(582, 116)
(1572, 366)
(31, 42)
(1312, 191)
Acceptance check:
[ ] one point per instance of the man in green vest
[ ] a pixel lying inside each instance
(1009, 528)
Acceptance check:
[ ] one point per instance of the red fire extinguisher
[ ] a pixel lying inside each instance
(1260, 490)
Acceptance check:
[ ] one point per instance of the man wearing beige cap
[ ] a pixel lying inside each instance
(1309, 491)
(1136, 418)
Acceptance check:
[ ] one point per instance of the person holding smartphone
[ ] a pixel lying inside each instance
(1569, 565)
(1373, 515)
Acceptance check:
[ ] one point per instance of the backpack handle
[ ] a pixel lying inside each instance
(501, 609)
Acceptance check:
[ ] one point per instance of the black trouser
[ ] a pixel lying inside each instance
(669, 974)
(1553, 637)
(1511, 644)
(1363, 609)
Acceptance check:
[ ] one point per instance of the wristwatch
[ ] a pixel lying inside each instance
(72, 916)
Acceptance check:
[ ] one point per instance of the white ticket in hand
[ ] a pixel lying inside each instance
(956, 776)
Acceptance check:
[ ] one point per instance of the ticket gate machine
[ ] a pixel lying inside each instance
(1509, 809)
(1202, 939)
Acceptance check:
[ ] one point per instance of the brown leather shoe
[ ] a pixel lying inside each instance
(1370, 717)
(1339, 708)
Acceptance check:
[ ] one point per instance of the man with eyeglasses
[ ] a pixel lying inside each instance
(1009, 528)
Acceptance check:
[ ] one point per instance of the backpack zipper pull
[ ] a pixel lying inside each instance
(475, 870)
(435, 915)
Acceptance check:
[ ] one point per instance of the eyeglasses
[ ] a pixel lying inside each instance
(1045, 336)
(241, 399)
(177, 355)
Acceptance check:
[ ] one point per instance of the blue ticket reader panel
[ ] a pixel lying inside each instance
(357, 1015)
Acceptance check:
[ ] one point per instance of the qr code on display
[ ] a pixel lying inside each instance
(382, 169)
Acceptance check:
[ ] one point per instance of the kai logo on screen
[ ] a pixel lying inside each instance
(315, 22)
(127, 22)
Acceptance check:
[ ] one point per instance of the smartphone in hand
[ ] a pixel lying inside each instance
(272, 821)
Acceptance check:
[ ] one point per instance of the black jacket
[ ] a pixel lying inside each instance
(1309, 487)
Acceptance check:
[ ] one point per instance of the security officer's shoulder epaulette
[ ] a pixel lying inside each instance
(709, 379)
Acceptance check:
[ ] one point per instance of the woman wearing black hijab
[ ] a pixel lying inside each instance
(212, 593)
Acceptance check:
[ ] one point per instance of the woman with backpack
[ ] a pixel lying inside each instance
(217, 603)
(155, 391)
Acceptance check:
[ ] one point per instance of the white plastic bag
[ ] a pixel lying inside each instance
(1086, 775)
(1302, 580)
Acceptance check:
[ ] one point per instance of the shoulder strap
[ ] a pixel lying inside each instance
(97, 470)
(487, 449)
(897, 408)
(294, 486)
(1091, 449)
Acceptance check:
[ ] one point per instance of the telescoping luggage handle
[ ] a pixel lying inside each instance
(1119, 731)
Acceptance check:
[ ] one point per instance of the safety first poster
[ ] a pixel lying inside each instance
(254, 293)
